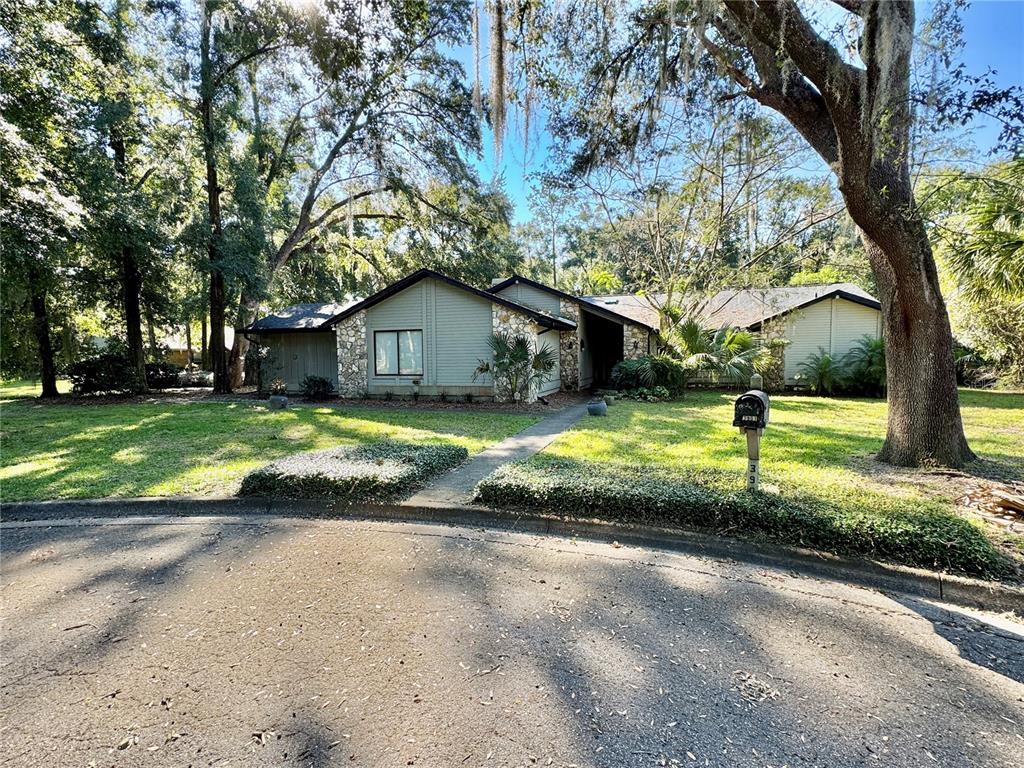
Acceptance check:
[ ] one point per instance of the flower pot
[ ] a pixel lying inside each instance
(278, 402)
(597, 408)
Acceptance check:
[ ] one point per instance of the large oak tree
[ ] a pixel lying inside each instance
(853, 105)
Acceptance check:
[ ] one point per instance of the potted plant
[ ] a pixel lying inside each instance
(597, 407)
(278, 395)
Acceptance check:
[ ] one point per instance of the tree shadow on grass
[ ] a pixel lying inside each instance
(652, 663)
(113, 450)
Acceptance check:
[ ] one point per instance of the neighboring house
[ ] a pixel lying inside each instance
(427, 332)
(810, 317)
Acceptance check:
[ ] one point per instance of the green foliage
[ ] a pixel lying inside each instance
(379, 471)
(641, 494)
(864, 365)
(108, 372)
(278, 387)
(653, 394)
(516, 369)
(650, 371)
(317, 387)
(821, 373)
(163, 375)
(728, 354)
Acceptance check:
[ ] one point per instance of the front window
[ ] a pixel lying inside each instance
(398, 353)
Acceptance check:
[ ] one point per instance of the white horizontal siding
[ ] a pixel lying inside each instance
(834, 325)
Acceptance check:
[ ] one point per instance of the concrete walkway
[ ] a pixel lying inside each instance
(456, 487)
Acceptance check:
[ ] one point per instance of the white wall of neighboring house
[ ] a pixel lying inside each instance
(834, 325)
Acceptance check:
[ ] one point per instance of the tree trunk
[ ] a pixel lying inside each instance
(218, 291)
(131, 277)
(204, 352)
(246, 315)
(924, 425)
(154, 352)
(41, 326)
(188, 343)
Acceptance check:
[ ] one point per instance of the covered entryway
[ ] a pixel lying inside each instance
(603, 340)
(548, 339)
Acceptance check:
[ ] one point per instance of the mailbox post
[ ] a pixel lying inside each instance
(751, 416)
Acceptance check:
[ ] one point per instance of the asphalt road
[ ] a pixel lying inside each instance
(281, 643)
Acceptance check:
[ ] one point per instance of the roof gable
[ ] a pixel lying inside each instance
(613, 314)
(543, 318)
(742, 308)
(298, 317)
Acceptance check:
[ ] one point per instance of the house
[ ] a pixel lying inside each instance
(427, 332)
(810, 317)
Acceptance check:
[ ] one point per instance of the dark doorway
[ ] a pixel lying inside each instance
(604, 339)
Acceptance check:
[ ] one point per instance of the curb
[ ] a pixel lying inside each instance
(948, 588)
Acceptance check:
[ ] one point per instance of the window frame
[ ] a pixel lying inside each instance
(398, 354)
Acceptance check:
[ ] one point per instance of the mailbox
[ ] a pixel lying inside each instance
(751, 410)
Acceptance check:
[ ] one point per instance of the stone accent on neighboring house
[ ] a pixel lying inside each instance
(506, 320)
(569, 347)
(351, 335)
(773, 338)
(634, 341)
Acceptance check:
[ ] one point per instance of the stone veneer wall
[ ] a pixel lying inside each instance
(569, 347)
(351, 335)
(630, 334)
(515, 323)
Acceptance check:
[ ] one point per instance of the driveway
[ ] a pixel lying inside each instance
(273, 642)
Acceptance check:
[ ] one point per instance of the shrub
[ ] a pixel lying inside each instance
(317, 388)
(662, 371)
(821, 373)
(162, 375)
(646, 394)
(195, 378)
(106, 372)
(379, 471)
(515, 367)
(865, 367)
(278, 387)
(915, 534)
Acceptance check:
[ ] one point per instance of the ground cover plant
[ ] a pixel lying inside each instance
(83, 450)
(682, 463)
(379, 471)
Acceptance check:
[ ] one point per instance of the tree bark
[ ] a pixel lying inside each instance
(924, 424)
(204, 352)
(218, 290)
(188, 343)
(240, 348)
(858, 121)
(41, 327)
(154, 351)
(131, 276)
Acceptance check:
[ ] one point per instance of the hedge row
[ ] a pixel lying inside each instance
(928, 537)
(379, 471)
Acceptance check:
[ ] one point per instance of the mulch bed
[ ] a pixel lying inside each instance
(555, 402)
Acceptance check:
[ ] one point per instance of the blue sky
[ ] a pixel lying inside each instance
(993, 36)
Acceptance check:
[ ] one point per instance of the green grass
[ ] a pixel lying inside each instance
(815, 460)
(13, 389)
(50, 451)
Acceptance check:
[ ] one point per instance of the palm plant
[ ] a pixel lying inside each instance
(516, 368)
(728, 353)
(821, 373)
(865, 364)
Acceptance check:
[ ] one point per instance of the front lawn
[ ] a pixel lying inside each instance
(91, 450)
(824, 490)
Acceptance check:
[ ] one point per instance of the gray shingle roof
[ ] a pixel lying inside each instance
(741, 308)
(298, 317)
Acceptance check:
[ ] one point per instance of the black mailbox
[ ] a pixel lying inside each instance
(751, 410)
